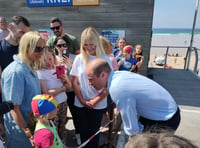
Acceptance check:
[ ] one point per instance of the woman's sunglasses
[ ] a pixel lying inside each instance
(39, 49)
(61, 45)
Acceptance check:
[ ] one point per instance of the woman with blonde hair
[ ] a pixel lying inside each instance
(56, 87)
(89, 103)
(20, 84)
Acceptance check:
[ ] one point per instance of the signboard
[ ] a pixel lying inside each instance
(113, 35)
(85, 2)
(47, 33)
(48, 3)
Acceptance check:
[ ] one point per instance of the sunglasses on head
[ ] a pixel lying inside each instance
(39, 49)
(55, 28)
(61, 45)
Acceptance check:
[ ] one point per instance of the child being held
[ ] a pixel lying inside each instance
(127, 62)
(138, 55)
(44, 108)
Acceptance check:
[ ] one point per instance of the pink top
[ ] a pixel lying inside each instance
(114, 62)
(43, 138)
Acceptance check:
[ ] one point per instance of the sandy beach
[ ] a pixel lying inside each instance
(175, 58)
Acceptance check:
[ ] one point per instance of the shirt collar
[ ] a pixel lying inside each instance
(24, 65)
(110, 79)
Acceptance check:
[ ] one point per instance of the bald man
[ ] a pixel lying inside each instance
(142, 103)
(3, 28)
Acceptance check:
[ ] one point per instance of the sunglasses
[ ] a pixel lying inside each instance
(55, 28)
(62, 45)
(39, 49)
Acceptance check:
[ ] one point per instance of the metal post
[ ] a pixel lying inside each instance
(193, 28)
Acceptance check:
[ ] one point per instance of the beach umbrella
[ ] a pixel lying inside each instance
(193, 29)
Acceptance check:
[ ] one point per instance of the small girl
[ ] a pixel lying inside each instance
(51, 85)
(44, 108)
(138, 55)
(108, 49)
(127, 62)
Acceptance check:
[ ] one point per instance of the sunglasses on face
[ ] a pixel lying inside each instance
(55, 28)
(61, 45)
(39, 49)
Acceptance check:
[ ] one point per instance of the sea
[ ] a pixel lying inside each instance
(174, 31)
(175, 37)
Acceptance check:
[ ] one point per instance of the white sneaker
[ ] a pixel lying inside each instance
(78, 139)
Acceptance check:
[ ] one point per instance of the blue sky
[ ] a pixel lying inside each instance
(175, 14)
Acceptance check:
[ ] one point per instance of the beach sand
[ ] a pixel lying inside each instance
(176, 56)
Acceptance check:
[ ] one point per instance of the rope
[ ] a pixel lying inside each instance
(101, 129)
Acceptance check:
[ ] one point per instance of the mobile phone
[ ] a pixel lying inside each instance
(60, 70)
(66, 53)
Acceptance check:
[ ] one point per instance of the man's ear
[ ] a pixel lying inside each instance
(102, 74)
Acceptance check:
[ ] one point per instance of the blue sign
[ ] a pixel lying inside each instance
(113, 35)
(48, 3)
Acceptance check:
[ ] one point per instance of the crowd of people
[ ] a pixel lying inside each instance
(42, 79)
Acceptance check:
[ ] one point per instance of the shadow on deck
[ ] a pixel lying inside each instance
(183, 85)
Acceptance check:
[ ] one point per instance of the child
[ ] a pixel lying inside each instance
(50, 84)
(118, 50)
(44, 108)
(138, 55)
(127, 62)
(108, 49)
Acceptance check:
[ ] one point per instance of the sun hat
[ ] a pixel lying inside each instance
(128, 48)
(43, 104)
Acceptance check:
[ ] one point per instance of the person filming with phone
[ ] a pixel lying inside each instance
(66, 58)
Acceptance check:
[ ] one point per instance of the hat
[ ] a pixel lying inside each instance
(128, 49)
(43, 104)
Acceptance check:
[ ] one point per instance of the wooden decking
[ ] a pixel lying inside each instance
(184, 86)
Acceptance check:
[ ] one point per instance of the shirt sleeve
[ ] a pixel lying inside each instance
(127, 108)
(75, 66)
(43, 138)
(14, 87)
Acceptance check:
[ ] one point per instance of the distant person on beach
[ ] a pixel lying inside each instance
(127, 62)
(57, 27)
(9, 46)
(118, 50)
(142, 102)
(158, 140)
(3, 28)
(138, 55)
